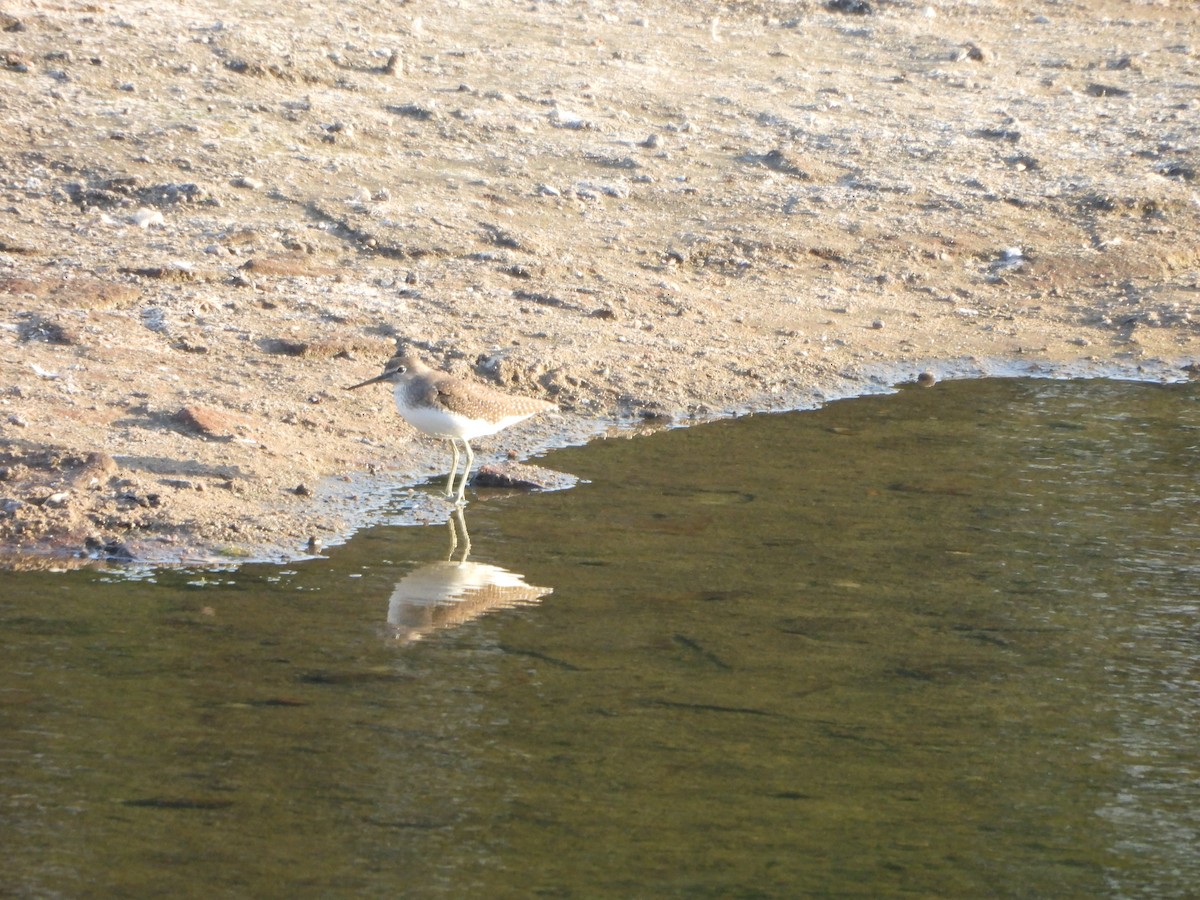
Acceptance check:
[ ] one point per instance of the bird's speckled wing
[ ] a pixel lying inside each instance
(479, 401)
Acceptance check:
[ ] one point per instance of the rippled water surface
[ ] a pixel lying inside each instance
(943, 643)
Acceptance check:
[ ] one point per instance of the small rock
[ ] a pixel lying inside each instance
(57, 500)
(1024, 163)
(245, 181)
(877, 324)
(592, 190)
(502, 237)
(97, 467)
(976, 53)
(148, 218)
(783, 162)
(206, 421)
(413, 111)
(13, 61)
(1187, 173)
(302, 490)
(654, 415)
(180, 270)
(110, 548)
(1011, 135)
(565, 118)
(43, 373)
(520, 476)
(850, 7)
(927, 379)
(1095, 89)
(287, 264)
(52, 331)
(338, 132)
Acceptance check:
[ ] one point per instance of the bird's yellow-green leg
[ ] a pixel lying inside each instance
(453, 468)
(462, 485)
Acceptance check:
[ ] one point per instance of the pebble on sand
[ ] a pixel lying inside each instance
(148, 218)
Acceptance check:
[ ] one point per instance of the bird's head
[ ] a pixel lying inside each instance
(395, 369)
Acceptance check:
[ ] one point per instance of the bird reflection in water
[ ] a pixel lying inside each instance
(450, 593)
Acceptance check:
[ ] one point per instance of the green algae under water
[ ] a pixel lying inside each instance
(942, 643)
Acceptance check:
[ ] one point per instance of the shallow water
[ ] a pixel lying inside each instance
(942, 643)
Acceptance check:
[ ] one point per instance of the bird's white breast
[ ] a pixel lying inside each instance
(441, 422)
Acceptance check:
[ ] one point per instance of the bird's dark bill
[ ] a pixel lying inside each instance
(380, 377)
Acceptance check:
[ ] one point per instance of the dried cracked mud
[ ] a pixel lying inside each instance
(215, 216)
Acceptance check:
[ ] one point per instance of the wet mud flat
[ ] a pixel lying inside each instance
(213, 219)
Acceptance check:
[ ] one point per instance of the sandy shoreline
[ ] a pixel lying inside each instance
(215, 219)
